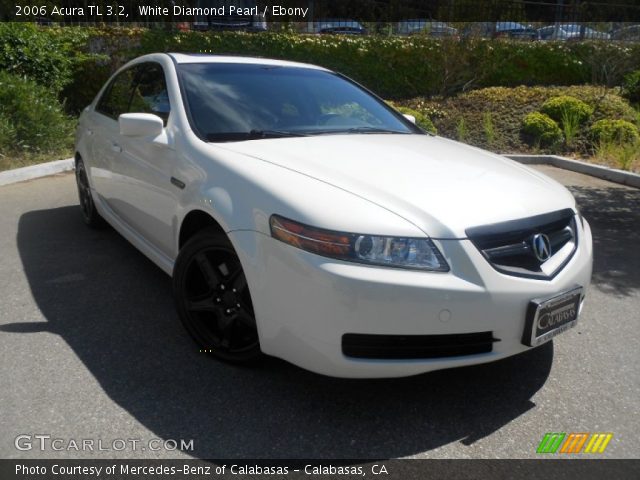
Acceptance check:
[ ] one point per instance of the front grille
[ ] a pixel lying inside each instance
(408, 347)
(508, 246)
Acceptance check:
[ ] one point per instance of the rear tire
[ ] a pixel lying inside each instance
(87, 206)
(212, 298)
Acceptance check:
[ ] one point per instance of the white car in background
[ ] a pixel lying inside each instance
(422, 26)
(302, 217)
(570, 32)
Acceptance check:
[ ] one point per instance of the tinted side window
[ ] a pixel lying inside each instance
(150, 91)
(118, 95)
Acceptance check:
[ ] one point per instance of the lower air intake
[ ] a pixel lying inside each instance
(404, 347)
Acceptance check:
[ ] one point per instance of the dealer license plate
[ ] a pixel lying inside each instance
(549, 317)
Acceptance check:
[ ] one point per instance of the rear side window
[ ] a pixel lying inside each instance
(139, 89)
(115, 100)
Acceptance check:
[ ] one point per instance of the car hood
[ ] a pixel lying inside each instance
(441, 186)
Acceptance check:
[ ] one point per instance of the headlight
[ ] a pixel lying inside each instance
(412, 253)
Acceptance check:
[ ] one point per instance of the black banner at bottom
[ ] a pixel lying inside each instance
(584, 469)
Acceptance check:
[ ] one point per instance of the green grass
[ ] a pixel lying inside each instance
(462, 132)
(489, 128)
(18, 160)
(570, 125)
(625, 156)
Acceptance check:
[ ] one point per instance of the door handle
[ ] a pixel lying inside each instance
(116, 148)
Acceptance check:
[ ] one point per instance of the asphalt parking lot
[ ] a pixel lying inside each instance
(90, 348)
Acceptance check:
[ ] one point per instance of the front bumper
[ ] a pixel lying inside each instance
(305, 303)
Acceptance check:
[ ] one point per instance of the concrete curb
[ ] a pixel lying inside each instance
(606, 173)
(35, 171)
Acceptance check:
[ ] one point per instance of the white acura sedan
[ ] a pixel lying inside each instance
(302, 217)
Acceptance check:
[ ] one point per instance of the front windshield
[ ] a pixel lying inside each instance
(230, 102)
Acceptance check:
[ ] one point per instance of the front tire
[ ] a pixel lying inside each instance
(212, 298)
(87, 207)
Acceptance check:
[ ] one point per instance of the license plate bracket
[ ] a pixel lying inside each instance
(551, 316)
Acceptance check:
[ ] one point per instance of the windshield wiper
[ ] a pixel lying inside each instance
(374, 130)
(356, 130)
(252, 135)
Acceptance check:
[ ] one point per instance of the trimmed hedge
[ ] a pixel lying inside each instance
(393, 67)
(404, 67)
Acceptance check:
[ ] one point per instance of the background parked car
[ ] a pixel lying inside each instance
(574, 32)
(627, 34)
(339, 26)
(432, 28)
(552, 32)
(513, 30)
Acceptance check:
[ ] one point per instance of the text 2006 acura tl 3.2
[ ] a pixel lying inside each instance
(302, 217)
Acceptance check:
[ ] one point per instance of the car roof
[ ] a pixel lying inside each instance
(211, 58)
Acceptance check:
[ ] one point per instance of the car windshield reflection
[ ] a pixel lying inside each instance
(236, 102)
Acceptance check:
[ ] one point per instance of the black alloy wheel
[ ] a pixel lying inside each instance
(89, 213)
(212, 298)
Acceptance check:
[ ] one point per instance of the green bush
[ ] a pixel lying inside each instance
(31, 117)
(542, 129)
(7, 133)
(89, 76)
(508, 106)
(462, 132)
(489, 128)
(394, 67)
(44, 55)
(618, 131)
(631, 87)
(560, 107)
(405, 67)
(422, 120)
(513, 63)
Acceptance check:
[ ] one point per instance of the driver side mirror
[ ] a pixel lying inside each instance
(140, 125)
(411, 118)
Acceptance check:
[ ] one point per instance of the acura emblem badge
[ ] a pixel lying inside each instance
(541, 247)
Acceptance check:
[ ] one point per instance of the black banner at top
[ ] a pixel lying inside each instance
(123, 11)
